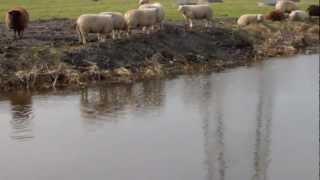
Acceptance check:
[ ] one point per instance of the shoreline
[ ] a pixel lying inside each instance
(51, 57)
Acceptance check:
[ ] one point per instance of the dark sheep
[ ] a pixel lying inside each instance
(276, 16)
(17, 19)
(314, 10)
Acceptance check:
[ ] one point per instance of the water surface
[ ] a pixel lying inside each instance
(257, 123)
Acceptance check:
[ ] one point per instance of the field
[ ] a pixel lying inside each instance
(48, 9)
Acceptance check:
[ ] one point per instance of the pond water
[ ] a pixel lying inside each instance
(256, 123)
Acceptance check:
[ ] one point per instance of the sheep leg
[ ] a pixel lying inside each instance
(119, 34)
(14, 34)
(20, 34)
(206, 25)
(84, 40)
(114, 34)
(147, 29)
(190, 24)
(128, 32)
(186, 21)
(79, 34)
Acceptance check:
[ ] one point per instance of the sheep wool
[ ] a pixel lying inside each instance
(118, 21)
(249, 19)
(17, 19)
(141, 18)
(286, 6)
(298, 15)
(314, 10)
(196, 12)
(144, 1)
(160, 12)
(93, 23)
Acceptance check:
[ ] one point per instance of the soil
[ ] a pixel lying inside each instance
(50, 55)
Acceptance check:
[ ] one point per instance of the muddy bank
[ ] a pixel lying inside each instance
(50, 55)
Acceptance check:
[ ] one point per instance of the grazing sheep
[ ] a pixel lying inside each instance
(276, 16)
(93, 23)
(314, 10)
(161, 13)
(118, 21)
(298, 15)
(17, 19)
(141, 18)
(286, 6)
(196, 12)
(249, 19)
(144, 2)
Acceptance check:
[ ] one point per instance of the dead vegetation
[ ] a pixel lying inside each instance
(50, 56)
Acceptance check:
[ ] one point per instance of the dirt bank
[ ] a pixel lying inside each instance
(50, 55)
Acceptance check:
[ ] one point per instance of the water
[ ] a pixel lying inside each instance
(257, 123)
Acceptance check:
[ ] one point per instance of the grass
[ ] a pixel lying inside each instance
(48, 9)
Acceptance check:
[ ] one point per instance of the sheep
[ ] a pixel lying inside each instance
(196, 12)
(298, 15)
(17, 19)
(137, 18)
(286, 6)
(249, 19)
(314, 10)
(276, 16)
(93, 23)
(161, 13)
(118, 21)
(144, 2)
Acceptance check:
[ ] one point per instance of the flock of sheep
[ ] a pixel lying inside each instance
(146, 17)
(282, 7)
(151, 15)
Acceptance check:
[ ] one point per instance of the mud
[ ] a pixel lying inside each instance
(51, 56)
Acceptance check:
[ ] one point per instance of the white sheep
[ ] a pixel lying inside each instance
(144, 1)
(93, 23)
(161, 13)
(118, 21)
(298, 15)
(247, 19)
(286, 6)
(196, 12)
(141, 18)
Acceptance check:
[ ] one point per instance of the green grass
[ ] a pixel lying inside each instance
(47, 9)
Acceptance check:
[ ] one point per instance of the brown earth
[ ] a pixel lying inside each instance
(51, 56)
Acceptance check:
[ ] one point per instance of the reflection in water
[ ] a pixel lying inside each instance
(264, 122)
(221, 126)
(213, 102)
(98, 103)
(112, 100)
(22, 115)
(213, 129)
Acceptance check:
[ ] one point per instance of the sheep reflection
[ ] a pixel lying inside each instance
(111, 101)
(22, 115)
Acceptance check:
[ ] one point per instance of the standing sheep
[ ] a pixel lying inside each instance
(161, 13)
(17, 19)
(298, 15)
(286, 6)
(144, 2)
(93, 23)
(196, 12)
(314, 10)
(141, 18)
(118, 21)
(249, 19)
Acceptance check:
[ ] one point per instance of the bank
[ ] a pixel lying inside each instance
(50, 55)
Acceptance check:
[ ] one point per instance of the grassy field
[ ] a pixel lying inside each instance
(47, 9)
